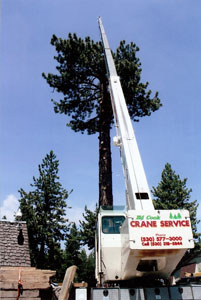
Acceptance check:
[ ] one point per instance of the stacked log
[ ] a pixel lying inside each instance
(33, 282)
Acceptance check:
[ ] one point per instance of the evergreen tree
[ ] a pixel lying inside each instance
(29, 215)
(74, 254)
(43, 209)
(72, 247)
(83, 267)
(88, 227)
(172, 193)
(86, 270)
(81, 78)
(72, 250)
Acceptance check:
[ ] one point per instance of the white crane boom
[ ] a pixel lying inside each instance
(137, 190)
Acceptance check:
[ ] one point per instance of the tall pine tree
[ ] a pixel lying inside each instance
(81, 78)
(43, 208)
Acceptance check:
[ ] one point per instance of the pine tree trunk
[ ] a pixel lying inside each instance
(105, 160)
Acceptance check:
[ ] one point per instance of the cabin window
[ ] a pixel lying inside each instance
(111, 224)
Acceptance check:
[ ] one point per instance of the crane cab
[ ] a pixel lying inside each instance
(108, 243)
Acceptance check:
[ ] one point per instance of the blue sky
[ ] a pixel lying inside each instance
(168, 34)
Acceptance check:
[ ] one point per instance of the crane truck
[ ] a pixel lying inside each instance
(137, 241)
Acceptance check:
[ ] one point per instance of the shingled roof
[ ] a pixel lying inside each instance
(14, 245)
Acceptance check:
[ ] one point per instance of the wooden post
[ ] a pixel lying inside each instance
(67, 283)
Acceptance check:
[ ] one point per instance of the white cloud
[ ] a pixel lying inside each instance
(9, 207)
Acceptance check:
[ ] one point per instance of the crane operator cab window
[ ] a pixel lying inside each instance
(112, 224)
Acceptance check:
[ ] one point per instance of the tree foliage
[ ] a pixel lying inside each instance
(88, 227)
(81, 78)
(75, 254)
(86, 270)
(43, 209)
(81, 72)
(172, 193)
(72, 247)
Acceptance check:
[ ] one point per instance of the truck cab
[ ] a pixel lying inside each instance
(108, 243)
